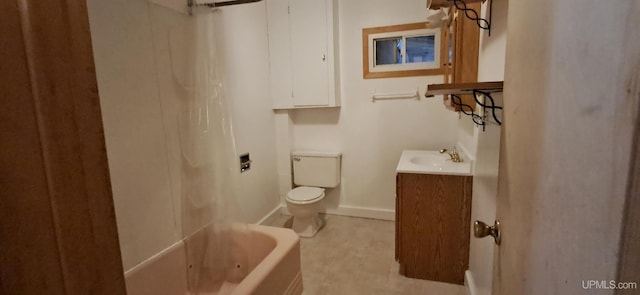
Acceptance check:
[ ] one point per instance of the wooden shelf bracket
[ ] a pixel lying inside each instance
(471, 14)
(480, 89)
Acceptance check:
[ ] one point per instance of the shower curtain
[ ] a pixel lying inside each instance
(208, 149)
(208, 178)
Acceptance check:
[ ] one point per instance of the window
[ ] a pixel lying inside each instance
(402, 51)
(418, 50)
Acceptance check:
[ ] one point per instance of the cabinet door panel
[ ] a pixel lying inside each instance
(398, 217)
(280, 53)
(434, 230)
(309, 52)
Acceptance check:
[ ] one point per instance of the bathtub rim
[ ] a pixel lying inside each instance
(286, 240)
(138, 267)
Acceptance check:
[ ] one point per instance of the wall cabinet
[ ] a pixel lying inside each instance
(303, 52)
(433, 224)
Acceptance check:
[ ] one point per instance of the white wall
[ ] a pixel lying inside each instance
(140, 99)
(371, 136)
(245, 50)
(486, 147)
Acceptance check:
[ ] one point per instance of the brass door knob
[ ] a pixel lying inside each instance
(481, 230)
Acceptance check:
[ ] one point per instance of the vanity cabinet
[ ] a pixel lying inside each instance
(433, 223)
(303, 53)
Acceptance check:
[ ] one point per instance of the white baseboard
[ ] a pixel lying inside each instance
(469, 283)
(363, 212)
(271, 217)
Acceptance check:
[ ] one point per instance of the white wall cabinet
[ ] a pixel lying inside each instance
(303, 53)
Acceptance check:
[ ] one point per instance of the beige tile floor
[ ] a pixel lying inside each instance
(356, 256)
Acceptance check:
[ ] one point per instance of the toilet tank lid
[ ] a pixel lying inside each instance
(316, 154)
(305, 193)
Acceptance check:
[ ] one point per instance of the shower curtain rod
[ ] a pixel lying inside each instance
(192, 3)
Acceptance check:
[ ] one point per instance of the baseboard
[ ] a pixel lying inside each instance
(469, 283)
(363, 212)
(271, 217)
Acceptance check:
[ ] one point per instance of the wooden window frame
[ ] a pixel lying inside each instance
(367, 74)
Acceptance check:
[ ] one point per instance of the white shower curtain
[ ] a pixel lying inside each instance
(208, 176)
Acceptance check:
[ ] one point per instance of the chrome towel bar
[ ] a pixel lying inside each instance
(414, 94)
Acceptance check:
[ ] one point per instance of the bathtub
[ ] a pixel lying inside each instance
(265, 260)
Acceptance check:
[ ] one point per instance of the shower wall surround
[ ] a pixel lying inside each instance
(139, 85)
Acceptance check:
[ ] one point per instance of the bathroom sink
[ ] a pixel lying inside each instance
(427, 160)
(432, 162)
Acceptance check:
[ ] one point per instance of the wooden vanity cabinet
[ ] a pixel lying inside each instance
(433, 224)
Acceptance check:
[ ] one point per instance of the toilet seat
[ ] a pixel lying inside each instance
(305, 195)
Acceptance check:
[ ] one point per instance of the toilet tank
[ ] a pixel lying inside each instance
(319, 169)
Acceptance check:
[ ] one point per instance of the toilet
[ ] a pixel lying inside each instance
(312, 172)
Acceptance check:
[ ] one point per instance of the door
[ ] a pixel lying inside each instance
(309, 55)
(572, 86)
(58, 231)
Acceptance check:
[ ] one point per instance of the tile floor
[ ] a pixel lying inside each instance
(356, 256)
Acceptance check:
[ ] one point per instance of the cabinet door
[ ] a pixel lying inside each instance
(434, 227)
(398, 217)
(280, 53)
(309, 55)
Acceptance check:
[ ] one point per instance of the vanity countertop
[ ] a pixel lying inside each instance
(432, 162)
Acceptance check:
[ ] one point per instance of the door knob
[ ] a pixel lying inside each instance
(481, 230)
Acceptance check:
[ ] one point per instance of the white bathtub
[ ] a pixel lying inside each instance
(267, 261)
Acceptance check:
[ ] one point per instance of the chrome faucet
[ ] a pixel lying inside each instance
(455, 157)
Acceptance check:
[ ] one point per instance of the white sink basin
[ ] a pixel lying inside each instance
(432, 162)
(427, 160)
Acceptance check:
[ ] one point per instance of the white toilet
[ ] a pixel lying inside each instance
(312, 172)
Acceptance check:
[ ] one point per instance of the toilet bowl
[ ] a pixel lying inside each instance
(312, 172)
(304, 203)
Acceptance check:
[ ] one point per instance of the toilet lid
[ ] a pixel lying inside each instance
(305, 193)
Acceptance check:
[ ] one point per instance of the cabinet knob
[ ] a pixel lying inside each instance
(324, 57)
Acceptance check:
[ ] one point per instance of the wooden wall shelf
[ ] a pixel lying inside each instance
(463, 88)
(437, 4)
